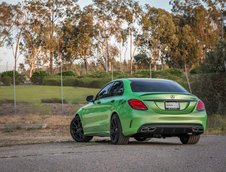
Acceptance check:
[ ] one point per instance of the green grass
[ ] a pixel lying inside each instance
(34, 94)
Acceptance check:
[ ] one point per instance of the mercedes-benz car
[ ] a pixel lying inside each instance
(142, 109)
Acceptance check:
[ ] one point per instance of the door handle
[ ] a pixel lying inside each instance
(112, 101)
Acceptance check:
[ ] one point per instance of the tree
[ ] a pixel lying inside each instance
(142, 61)
(130, 13)
(6, 21)
(13, 38)
(51, 13)
(33, 40)
(159, 34)
(113, 54)
(85, 36)
(203, 17)
(106, 26)
(216, 58)
(78, 37)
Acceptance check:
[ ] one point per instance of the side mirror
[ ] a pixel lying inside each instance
(89, 98)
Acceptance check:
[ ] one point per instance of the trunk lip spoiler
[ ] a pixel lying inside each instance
(171, 100)
(153, 93)
(193, 98)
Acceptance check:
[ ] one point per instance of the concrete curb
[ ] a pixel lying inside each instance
(22, 126)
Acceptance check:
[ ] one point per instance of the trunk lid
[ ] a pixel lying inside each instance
(169, 103)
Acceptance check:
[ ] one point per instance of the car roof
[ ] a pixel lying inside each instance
(144, 79)
(147, 79)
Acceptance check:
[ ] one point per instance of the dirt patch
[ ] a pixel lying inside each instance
(23, 108)
(50, 114)
(57, 129)
(34, 136)
(67, 109)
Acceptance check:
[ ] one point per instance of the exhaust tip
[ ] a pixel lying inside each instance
(148, 129)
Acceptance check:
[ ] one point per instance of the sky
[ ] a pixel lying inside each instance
(6, 56)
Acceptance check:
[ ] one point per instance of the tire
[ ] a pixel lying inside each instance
(189, 139)
(116, 134)
(76, 131)
(141, 139)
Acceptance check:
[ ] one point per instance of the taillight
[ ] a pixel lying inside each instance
(200, 106)
(137, 104)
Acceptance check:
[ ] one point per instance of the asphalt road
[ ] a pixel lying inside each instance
(156, 155)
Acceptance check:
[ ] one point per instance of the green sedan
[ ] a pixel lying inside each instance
(142, 109)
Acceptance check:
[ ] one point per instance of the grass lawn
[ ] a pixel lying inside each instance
(34, 94)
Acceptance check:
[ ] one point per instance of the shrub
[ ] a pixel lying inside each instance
(51, 81)
(204, 68)
(119, 74)
(211, 88)
(19, 78)
(174, 72)
(97, 83)
(142, 74)
(99, 75)
(67, 73)
(69, 81)
(37, 77)
(90, 82)
(79, 83)
(6, 80)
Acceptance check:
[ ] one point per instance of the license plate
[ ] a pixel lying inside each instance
(172, 105)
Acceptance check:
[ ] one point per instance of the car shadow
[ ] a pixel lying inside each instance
(132, 143)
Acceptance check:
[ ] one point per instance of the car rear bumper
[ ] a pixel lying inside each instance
(171, 124)
(170, 129)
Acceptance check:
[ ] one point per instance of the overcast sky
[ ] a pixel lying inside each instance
(6, 57)
(156, 3)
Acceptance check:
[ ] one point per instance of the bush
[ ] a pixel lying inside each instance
(99, 79)
(79, 83)
(51, 81)
(211, 88)
(116, 74)
(37, 77)
(204, 68)
(142, 74)
(90, 82)
(119, 74)
(174, 72)
(67, 73)
(19, 78)
(99, 75)
(6, 80)
(97, 83)
(69, 81)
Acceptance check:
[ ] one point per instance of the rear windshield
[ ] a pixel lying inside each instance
(156, 86)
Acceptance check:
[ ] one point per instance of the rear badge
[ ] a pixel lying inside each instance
(172, 97)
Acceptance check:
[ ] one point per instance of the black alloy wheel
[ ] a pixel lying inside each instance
(189, 139)
(116, 134)
(76, 131)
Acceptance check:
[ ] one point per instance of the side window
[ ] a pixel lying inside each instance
(117, 89)
(104, 92)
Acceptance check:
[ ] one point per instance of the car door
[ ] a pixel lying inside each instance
(111, 103)
(93, 114)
